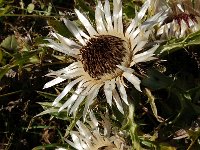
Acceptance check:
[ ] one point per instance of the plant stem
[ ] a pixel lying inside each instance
(133, 128)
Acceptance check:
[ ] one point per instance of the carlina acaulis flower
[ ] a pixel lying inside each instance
(104, 55)
(97, 135)
(183, 17)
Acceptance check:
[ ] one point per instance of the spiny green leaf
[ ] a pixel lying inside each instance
(63, 115)
(176, 44)
(53, 110)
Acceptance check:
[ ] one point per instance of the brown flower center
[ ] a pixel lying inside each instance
(101, 54)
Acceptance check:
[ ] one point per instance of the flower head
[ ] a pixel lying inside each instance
(104, 55)
(96, 135)
(183, 17)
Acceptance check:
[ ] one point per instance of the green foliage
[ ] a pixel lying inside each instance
(173, 45)
(23, 64)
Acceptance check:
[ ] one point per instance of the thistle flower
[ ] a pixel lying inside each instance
(183, 17)
(95, 135)
(104, 55)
